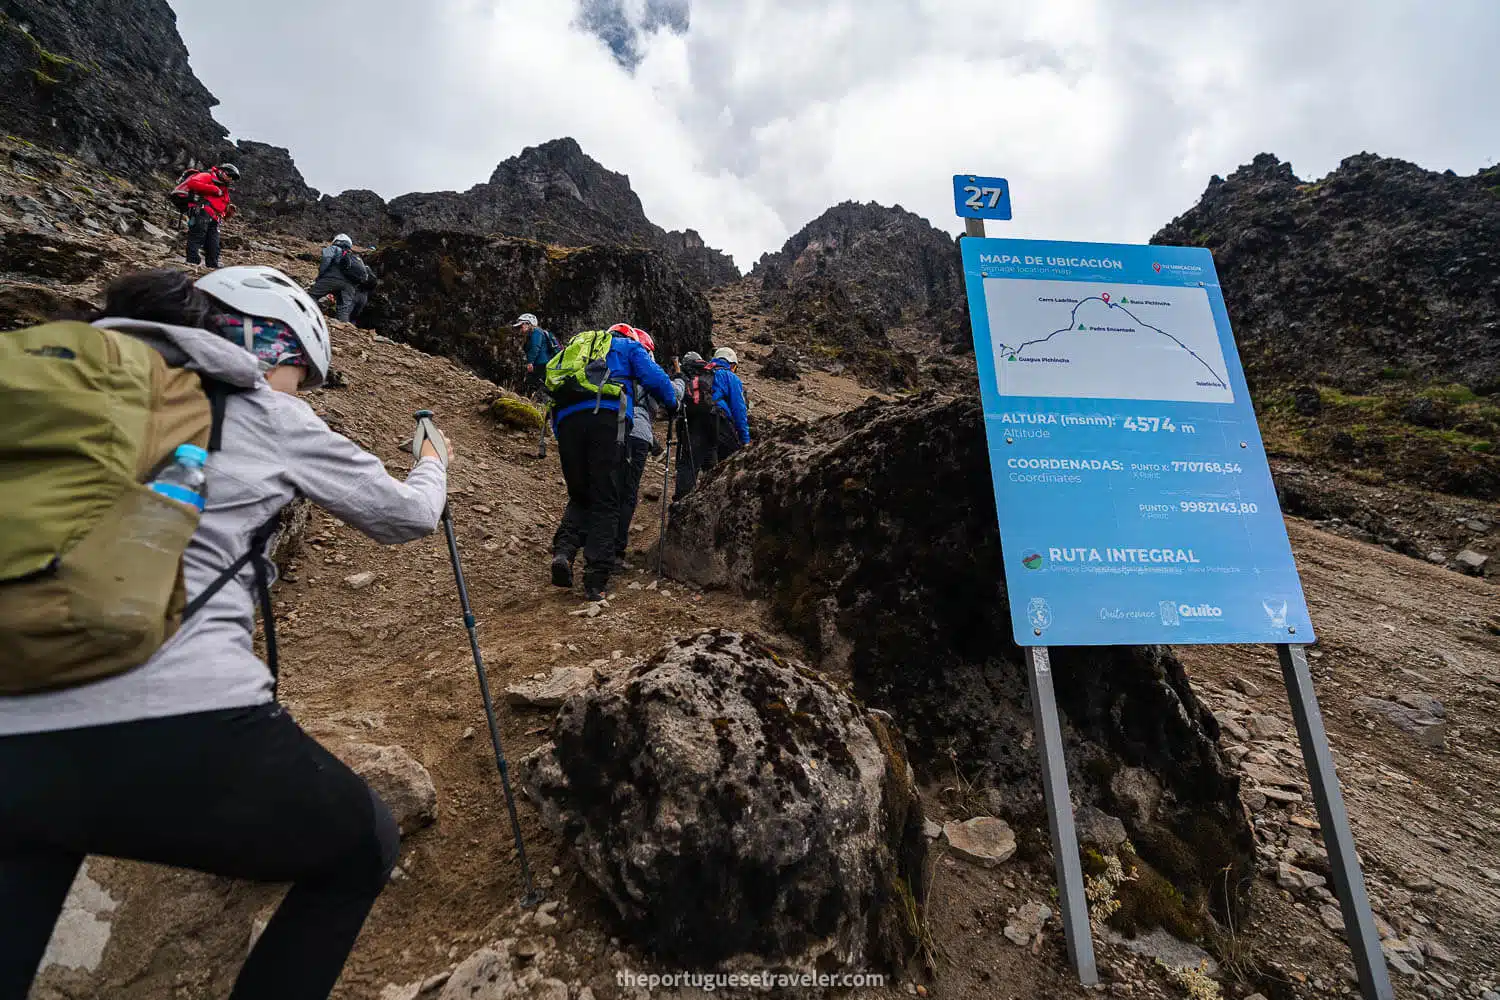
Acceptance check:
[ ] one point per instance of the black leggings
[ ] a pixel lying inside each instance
(241, 792)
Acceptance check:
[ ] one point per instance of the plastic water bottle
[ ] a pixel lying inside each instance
(183, 479)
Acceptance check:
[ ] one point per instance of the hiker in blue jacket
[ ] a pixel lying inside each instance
(591, 431)
(729, 395)
(540, 346)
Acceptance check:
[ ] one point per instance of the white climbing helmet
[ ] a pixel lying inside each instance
(267, 293)
(727, 354)
(343, 240)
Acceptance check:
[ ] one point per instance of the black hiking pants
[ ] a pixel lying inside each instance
(697, 452)
(241, 792)
(203, 237)
(631, 470)
(590, 450)
(345, 294)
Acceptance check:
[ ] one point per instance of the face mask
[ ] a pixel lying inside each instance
(271, 341)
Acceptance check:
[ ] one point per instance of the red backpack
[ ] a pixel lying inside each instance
(698, 389)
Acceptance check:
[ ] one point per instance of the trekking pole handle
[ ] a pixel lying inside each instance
(427, 431)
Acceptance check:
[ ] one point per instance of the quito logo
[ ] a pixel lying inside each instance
(1156, 266)
(1032, 560)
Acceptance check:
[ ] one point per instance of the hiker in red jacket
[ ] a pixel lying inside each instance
(210, 205)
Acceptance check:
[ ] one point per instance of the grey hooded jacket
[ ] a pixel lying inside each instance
(274, 447)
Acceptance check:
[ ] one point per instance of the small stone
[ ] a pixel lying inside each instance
(1255, 800)
(545, 920)
(468, 733)
(528, 948)
(562, 684)
(394, 992)
(1332, 917)
(1099, 828)
(556, 871)
(359, 581)
(1436, 951)
(931, 830)
(1248, 688)
(1027, 923)
(587, 611)
(550, 989)
(400, 780)
(1294, 879)
(1281, 795)
(155, 232)
(1256, 996)
(1471, 562)
(984, 840)
(432, 982)
(1265, 727)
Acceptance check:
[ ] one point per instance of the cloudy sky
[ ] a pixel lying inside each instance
(744, 119)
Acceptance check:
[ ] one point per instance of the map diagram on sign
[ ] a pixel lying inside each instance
(1104, 340)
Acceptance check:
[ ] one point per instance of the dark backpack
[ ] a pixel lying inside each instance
(552, 345)
(698, 390)
(180, 198)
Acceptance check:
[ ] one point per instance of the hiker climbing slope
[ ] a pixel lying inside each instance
(176, 752)
(539, 349)
(698, 444)
(206, 198)
(639, 445)
(342, 274)
(729, 397)
(593, 382)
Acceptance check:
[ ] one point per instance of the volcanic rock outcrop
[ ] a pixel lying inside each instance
(731, 805)
(456, 295)
(1367, 310)
(71, 79)
(872, 536)
(856, 273)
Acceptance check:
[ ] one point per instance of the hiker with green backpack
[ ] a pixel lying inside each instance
(592, 382)
(147, 457)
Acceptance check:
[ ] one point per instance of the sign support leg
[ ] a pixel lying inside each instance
(1348, 880)
(1075, 909)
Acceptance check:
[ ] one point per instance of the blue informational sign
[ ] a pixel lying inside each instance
(976, 197)
(1136, 505)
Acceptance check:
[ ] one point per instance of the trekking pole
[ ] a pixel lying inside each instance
(541, 446)
(666, 482)
(532, 896)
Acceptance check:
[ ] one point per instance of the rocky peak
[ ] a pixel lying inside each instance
(107, 81)
(1380, 266)
(856, 273)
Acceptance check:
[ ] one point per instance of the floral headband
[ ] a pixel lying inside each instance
(271, 341)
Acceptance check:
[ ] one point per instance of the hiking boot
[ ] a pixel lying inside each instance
(592, 593)
(562, 571)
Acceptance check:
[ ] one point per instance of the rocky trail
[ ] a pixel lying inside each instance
(376, 664)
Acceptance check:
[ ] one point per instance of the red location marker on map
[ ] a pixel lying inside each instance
(1105, 297)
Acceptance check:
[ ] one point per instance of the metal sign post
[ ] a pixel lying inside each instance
(1046, 722)
(1134, 497)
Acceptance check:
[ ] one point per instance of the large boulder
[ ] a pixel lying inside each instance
(872, 537)
(456, 294)
(732, 804)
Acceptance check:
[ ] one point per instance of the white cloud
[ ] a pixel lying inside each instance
(1108, 118)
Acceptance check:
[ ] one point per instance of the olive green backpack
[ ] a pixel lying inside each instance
(90, 557)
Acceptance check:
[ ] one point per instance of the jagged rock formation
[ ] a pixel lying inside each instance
(1367, 310)
(554, 192)
(733, 805)
(1380, 265)
(858, 271)
(126, 100)
(456, 295)
(872, 536)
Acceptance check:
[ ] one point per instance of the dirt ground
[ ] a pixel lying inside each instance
(390, 664)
